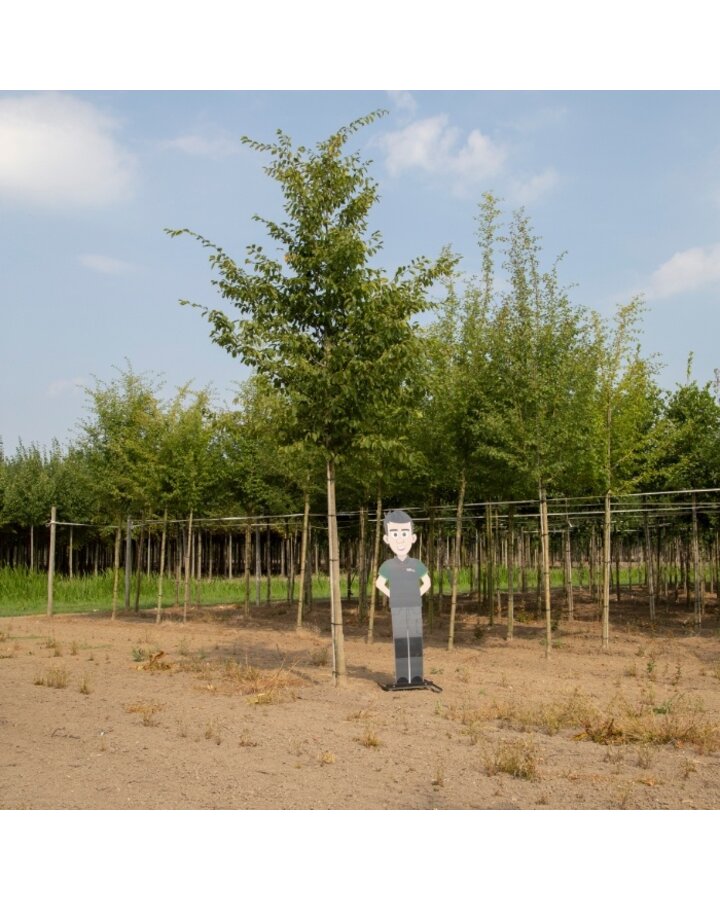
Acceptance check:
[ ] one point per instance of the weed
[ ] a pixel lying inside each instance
(55, 678)
(74, 648)
(463, 675)
(3, 636)
(327, 758)
(84, 685)
(320, 656)
(651, 669)
(369, 739)
(615, 755)
(138, 654)
(645, 756)
(360, 715)
(213, 731)
(145, 710)
(184, 647)
(438, 779)
(517, 757)
(630, 671)
(688, 766)
(246, 740)
(622, 796)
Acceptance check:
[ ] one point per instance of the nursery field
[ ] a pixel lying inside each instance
(240, 713)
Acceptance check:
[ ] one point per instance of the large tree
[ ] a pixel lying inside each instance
(332, 333)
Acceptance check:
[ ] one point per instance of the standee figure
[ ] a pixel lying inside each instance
(404, 580)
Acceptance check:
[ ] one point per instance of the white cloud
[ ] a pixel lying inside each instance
(436, 147)
(64, 386)
(105, 264)
(200, 145)
(57, 150)
(403, 100)
(686, 271)
(530, 190)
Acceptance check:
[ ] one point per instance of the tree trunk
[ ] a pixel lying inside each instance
(511, 576)
(569, 575)
(545, 547)
(163, 545)
(258, 566)
(456, 561)
(362, 566)
(303, 558)
(188, 556)
(375, 566)
(51, 562)
(649, 573)
(607, 527)
(116, 570)
(336, 620)
(246, 572)
(696, 565)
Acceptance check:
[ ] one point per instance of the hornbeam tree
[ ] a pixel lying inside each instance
(333, 335)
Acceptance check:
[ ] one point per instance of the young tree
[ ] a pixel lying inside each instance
(331, 332)
(623, 414)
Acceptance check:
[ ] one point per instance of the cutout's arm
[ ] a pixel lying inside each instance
(425, 584)
(381, 585)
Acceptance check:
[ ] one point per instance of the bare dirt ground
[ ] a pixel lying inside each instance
(224, 712)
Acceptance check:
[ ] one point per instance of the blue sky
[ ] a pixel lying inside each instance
(627, 184)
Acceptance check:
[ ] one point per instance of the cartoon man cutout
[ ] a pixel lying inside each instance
(404, 580)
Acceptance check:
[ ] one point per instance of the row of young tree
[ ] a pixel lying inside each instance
(419, 388)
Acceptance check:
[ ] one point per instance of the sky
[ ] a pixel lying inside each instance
(625, 184)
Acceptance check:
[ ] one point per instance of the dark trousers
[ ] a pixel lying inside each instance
(407, 637)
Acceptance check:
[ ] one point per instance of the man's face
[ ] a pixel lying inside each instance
(400, 538)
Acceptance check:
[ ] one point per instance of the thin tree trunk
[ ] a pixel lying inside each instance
(248, 559)
(456, 561)
(490, 564)
(336, 619)
(545, 546)
(649, 573)
(268, 563)
(139, 566)
(188, 557)
(696, 565)
(128, 563)
(258, 566)
(303, 558)
(511, 576)
(375, 566)
(51, 562)
(362, 566)
(116, 570)
(163, 545)
(569, 574)
(607, 526)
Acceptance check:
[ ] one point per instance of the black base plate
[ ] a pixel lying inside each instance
(425, 685)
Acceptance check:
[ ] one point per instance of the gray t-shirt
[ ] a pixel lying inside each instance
(403, 577)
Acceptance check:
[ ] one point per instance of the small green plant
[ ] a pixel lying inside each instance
(651, 669)
(138, 654)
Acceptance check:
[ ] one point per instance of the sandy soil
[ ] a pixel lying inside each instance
(221, 712)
